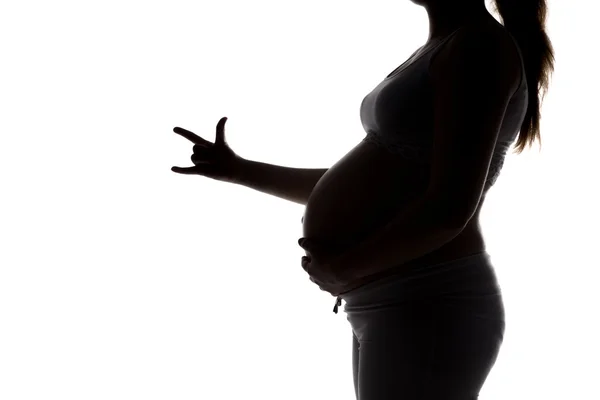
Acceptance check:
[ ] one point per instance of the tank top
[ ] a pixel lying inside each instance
(398, 114)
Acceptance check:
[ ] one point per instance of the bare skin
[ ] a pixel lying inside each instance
(447, 15)
(360, 192)
(342, 211)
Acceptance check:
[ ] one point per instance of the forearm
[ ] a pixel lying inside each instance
(292, 184)
(418, 229)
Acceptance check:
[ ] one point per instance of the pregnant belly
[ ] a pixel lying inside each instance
(359, 194)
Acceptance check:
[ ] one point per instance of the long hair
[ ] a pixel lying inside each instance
(526, 22)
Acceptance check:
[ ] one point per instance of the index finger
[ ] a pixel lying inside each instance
(192, 137)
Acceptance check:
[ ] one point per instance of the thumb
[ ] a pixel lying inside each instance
(220, 136)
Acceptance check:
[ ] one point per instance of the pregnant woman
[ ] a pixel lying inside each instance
(393, 227)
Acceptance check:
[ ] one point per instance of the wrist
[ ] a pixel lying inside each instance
(237, 174)
(351, 265)
(358, 257)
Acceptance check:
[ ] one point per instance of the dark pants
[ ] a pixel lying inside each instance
(433, 334)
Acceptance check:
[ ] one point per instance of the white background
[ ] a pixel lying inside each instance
(121, 279)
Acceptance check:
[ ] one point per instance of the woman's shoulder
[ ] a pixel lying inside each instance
(491, 34)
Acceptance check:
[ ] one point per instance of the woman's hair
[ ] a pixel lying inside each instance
(526, 22)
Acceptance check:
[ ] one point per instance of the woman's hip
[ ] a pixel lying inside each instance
(467, 285)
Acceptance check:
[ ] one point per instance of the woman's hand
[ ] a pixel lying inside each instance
(325, 268)
(212, 160)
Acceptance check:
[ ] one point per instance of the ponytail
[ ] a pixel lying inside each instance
(526, 22)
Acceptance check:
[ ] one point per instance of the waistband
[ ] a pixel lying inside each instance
(473, 274)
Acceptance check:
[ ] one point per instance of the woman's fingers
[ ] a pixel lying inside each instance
(185, 171)
(192, 137)
(304, 263)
